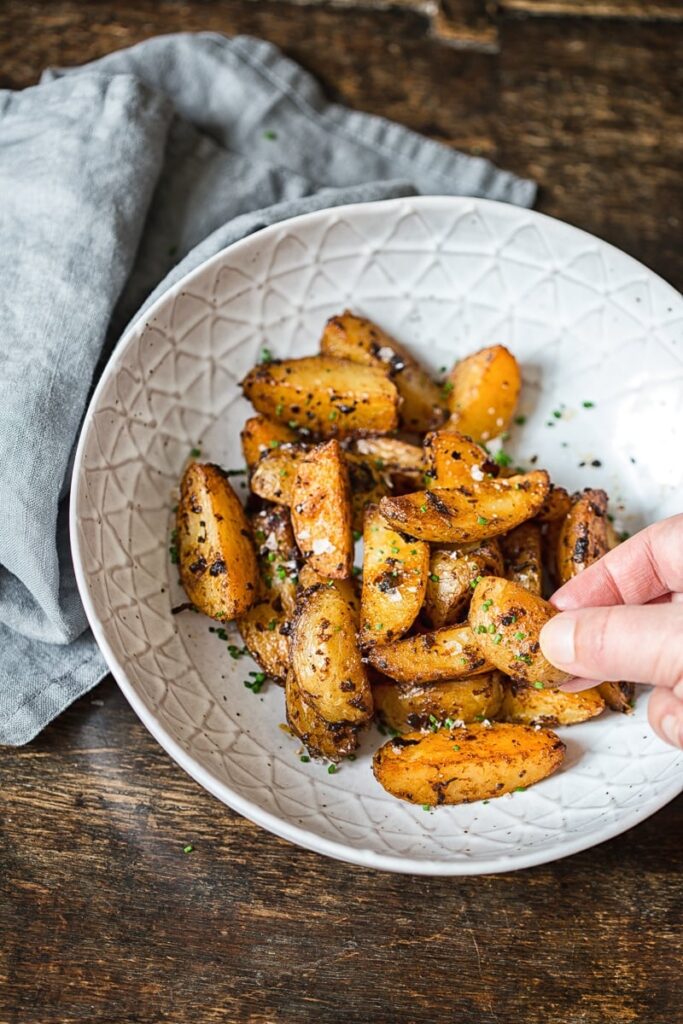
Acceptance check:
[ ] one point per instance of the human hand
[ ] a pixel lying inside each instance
(622, 618)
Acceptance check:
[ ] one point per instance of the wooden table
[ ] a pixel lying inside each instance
(103, 918)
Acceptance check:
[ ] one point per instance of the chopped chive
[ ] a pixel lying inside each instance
(273, 444)
(333, 415)
(271, 556)
(331, 769)
(502, 458)
(195, 452)
(539, 686)
(272, 624)
(520, 420)
(519, 635)
(279, 409)
(433, 577)
(482, 521)
(357, 535)
(270, 135)
(426, 807)
(456, 746)
(487, 604)
(304, 759)
(423, 508)
(588, 405)
(189, 848)
(497, 638)
(520, 789)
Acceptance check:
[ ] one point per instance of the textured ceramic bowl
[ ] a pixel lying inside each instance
(446, 276)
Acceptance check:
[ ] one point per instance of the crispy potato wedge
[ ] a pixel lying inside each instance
(273, 477)
(583, 537)
(506, 621)
(332, 740)
(450, 653)
(400, 463)
(453, 460)
(556, 505)
(394, 580)
(325, 656)
(368, 486)
(328, 396)
(260, 435)
(216, 557)
(361, 341)
(483, 394)
(528, 706)
(451, 579)
(427, 706)
(481, 510)
(321, 510)
(618, 696)
(477, 762)
(522, 553)
(262, 626)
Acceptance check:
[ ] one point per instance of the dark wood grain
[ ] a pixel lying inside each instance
(103, 918)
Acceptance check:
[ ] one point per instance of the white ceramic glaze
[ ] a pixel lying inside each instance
(446, 276)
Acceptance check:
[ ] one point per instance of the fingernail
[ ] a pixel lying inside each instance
(557, 639)
(671, 728)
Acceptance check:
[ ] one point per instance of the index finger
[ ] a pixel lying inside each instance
(643, 568)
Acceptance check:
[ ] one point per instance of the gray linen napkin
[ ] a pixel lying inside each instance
(116, 179)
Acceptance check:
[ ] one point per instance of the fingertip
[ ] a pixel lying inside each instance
(557, 640)
(578, 684)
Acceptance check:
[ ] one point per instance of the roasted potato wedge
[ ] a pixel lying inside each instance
(453, 460)
(328, 396)
(361, 341)
(321, 510)
(506, 621)
(216, 557)
(452, 574)
(332, 740)
(583, 537)
(261, 627)
(529, 706)
(483, 390)
(273, 477)
(394, 580)
(368, 486)
(556, 505)
(427, 706)
(260, 435)
(522, 553)
(400, 463)
(484, 509)
(618, 696)
(325, 656)
(450, 653)
(456, 766)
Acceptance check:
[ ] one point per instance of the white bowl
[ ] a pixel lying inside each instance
(446, 276)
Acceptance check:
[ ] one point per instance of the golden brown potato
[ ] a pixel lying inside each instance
(583, 537)
(483, 392)
(555, 506)
(506, 621)
(456, 766)
(452, 574)
(261, 627)
(216, 557)
(529, 706)
(618, 696)
(260, 435)
(450, 653)
(484, 509)
(325, 656)
(332, 740)
(328, 396)
(321, 510)
(273, 477)
(394, 580)
(453, 460)
(361, 341)
(522, 553)
(368, 486)
(430, 705)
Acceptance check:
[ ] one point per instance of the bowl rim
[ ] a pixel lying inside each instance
(309, 840)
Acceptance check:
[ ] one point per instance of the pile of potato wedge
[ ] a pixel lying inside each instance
(437, 635)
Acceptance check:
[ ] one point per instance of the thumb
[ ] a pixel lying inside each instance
(641, 643)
